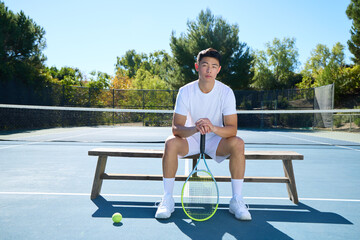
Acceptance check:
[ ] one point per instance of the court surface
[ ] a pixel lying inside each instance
(46, 178)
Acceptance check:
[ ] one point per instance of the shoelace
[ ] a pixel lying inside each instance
(160, 202)
(241, 203)
(157, 203)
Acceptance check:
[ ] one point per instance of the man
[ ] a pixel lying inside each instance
(205, 106)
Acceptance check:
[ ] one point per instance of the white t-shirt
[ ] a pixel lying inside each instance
(195, 104)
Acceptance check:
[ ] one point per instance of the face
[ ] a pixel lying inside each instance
(208, 68)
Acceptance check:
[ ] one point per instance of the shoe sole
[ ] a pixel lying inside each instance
(173, 210)
(241, 219)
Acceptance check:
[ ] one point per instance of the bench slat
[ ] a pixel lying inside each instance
(148, 153)
(104, 153)
(114, 176)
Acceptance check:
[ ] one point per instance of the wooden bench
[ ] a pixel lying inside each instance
(104, 153)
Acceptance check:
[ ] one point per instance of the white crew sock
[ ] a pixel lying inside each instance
(236, 185)
(168, 186)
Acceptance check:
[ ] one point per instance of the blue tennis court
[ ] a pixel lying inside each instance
(46, 178)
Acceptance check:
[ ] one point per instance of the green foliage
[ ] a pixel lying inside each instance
(131, 62)
(349, 80)
(210, 31)
(145, 80)
(353, 13)
(66, 76)
(296, 120)
(146, 72)
(99, 80)
(21, 45)
(327, 67)
(263, 76)
(283, 103)
(357, 120)
(275, 67)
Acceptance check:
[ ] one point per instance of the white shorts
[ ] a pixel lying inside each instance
(210, 147)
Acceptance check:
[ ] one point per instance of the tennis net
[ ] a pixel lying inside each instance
(30, 118)
(13, 117)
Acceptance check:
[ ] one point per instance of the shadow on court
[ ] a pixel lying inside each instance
(223, 223)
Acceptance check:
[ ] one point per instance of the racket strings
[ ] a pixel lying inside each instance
(200, 196)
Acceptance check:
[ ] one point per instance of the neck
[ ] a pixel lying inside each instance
(207, 86)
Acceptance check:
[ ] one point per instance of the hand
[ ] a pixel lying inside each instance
(204, 125)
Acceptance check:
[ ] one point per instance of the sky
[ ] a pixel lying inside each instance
(90, 34)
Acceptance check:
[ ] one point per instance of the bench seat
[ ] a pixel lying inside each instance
(104, 153)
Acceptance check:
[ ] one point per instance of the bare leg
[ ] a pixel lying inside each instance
(235, 147)
(174, 146)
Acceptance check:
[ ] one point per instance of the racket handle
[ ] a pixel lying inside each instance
(202, 143)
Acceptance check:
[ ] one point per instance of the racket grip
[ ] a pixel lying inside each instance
(202, 143)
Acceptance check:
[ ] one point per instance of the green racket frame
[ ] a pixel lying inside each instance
(195, 171)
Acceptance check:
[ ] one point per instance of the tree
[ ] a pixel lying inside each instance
(145, 72)
(146, 80)
(210, 31)
(328, 67)
(349, 80)
(21, 45)
(130, 62)
(323, 67)
(66, 76)
(99, 80)
(263, 77)
(275, 67)
(353, 13)
(120, 81)
(160, 64)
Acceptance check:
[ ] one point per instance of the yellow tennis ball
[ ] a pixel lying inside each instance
(116, 217)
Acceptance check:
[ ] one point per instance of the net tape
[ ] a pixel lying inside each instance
(116, 110)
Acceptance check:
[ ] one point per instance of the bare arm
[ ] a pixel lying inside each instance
(179, 129)
(204, 125)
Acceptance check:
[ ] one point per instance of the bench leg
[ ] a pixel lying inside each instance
(100, 169)
(194, 161)
(291, 186)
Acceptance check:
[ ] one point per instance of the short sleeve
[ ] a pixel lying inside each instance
(180, 106)
(229, 105)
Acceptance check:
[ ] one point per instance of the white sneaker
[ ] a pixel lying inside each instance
(165, 208)
(238, 207)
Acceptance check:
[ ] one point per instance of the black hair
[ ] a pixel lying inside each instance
(210, 52)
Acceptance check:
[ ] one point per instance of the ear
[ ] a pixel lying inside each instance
(196, 67)
(219, 69)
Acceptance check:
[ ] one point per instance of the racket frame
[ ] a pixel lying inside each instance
(194, 172)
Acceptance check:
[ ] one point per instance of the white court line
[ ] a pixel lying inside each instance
(313, 141)
(176, 196)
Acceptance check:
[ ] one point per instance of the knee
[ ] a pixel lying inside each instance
(237, 145)
(171, 144)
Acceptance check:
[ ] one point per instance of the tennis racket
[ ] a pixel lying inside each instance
(200, 193)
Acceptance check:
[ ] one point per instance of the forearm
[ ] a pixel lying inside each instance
(225, 132)
(183, 132)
